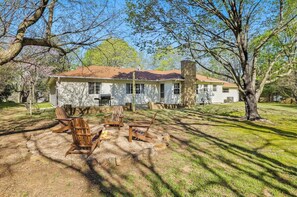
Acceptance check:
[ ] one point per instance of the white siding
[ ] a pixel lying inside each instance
(232, 93)
(217, 96)
(53, 95)
(118, 92)
(76, 92)
(170, 97)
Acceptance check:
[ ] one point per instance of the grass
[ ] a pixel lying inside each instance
(44, 105)
(9, 104)
(14, 117)
(212, 152)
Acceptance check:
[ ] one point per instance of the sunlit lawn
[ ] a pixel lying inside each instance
(212, 152)
(213, 155)
(44, 105)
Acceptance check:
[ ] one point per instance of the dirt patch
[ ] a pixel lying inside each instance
(111, 152)
(35, 159)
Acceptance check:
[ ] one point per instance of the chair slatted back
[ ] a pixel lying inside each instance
(61, 114)
(117, 113)
(81, 133)
(152, 121)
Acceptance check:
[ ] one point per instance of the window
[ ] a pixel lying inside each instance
(94, 88)
(176, 89)
(225, 90)
(129, 88)
(214, 88)
(205, 88)
(162, 90)
(197, 89)
(139, 88)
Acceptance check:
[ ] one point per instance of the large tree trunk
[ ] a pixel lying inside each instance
(251, 108)
(250, 96)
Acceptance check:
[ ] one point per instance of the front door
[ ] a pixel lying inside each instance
(162, 92)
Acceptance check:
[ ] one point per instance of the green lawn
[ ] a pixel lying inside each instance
(14, 117)
(43, 105)
(10, 105)
(213, 152)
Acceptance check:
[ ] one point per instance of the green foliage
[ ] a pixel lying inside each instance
(285, 87)
(6, 93)
(7, 75)
(113, 52)
(167, 59)
(280, 52)
(9, 105)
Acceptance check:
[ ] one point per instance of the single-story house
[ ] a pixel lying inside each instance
(101, 85)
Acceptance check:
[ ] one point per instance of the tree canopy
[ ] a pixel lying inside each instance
(167, 59)
(112, 52)
(230, 33)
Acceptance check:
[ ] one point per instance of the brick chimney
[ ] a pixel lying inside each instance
(188, 72)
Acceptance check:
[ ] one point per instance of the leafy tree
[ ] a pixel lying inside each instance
(288, 86)
(5, 93)
(113, 52)
(167, 59)
(278, 58)
(231, 33)
(7, 74)
(285, 87)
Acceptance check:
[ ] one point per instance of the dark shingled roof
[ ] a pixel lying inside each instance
(107, 72)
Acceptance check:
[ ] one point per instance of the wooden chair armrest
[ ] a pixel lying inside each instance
(141, 122)
(139, 125)
(64, 119)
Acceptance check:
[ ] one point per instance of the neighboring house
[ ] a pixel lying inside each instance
(94, 85)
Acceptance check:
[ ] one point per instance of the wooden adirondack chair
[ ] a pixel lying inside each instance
(116, 118)
(84, 142)
(64, 120)
(139, 130)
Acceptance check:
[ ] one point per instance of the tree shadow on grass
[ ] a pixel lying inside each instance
(270, 165)
(11, 132)
(96, 175)
(238, 122)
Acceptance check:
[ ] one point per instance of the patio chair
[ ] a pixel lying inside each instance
(139, 130)
(64, 120)
(116, 118)
(84, 142)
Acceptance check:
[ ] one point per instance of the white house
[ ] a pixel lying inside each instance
(101, 85)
